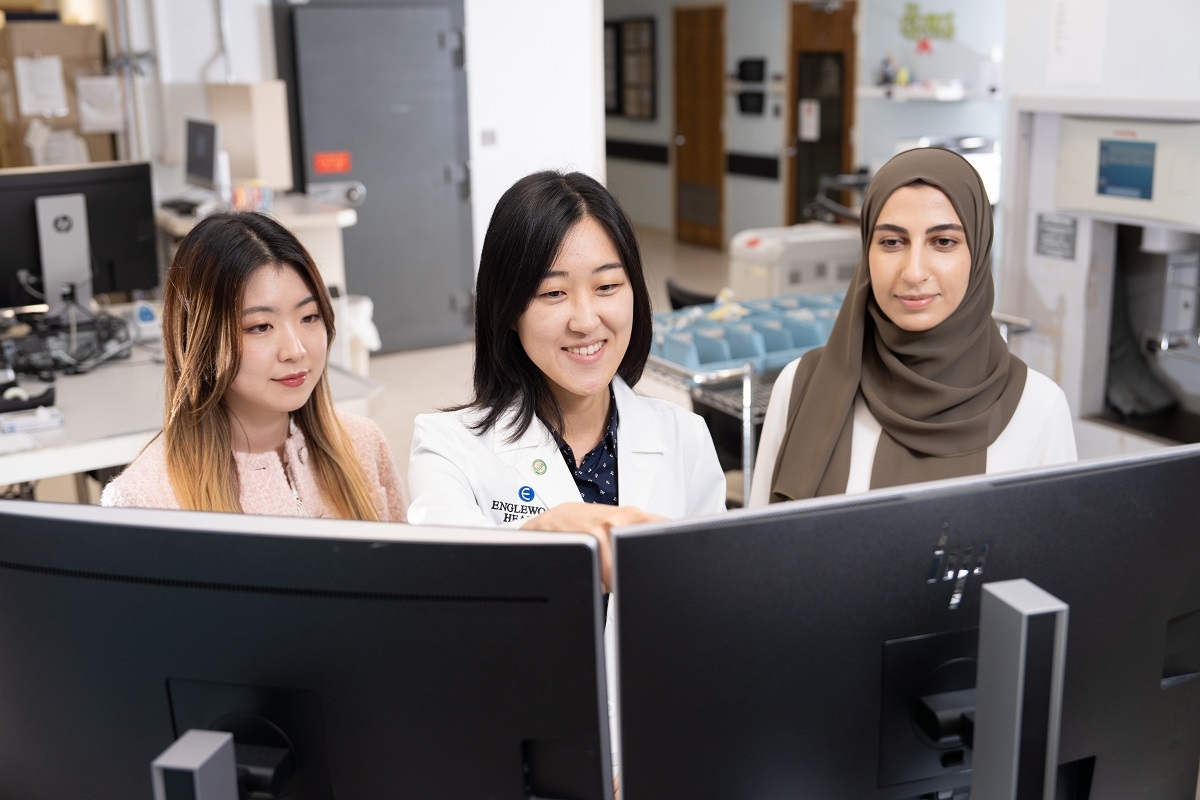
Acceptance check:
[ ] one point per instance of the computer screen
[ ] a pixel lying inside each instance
(200, 153)
(389, 660)
(119, 203)
(780, 652)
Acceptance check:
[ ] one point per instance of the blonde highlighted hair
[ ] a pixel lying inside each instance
(202, 336)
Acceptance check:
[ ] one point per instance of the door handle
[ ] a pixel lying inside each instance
(347, 193)
(680, 140)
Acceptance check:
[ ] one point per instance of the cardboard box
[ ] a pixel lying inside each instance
(80, 50)
(253, 122)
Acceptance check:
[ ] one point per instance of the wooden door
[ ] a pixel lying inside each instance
(821, 79)
(699, 145)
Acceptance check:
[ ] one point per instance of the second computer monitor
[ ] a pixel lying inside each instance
(113, 203)
(783, 652)
(202, 149)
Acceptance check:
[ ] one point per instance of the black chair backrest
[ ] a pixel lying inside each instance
(681, 297)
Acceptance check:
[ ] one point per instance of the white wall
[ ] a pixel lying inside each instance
(757, 29)
(535, 91)
(1103, 48)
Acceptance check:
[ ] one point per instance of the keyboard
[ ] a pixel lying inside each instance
(185, 208)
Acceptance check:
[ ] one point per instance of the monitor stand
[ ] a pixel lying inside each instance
(198, 766)
(66, 250)
(1019, 684)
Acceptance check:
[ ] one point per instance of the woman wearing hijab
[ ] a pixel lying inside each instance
(915, 383)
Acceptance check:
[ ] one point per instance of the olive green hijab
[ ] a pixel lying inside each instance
(942, 396)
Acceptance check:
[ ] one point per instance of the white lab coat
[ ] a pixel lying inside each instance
(666, 465)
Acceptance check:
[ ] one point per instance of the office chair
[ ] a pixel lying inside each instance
(681, 297)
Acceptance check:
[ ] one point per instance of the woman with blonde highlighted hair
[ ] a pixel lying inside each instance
(250, 424)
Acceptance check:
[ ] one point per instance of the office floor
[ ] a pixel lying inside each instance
(418, 381)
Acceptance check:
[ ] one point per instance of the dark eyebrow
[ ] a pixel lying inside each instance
(602, 268)
(948, 226)
(272, 310)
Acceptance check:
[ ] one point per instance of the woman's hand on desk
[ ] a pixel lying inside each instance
(598, 520)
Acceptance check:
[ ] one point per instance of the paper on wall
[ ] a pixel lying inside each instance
(101, 104)
(48, 146)
(41, 91)
(810, 120)
(36, 135)
(65, 147)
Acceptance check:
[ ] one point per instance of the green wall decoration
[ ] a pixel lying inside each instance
(916, 26)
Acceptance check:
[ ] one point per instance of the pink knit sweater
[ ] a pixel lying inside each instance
(264, 482)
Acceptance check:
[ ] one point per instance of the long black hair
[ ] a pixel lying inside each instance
(523, 239)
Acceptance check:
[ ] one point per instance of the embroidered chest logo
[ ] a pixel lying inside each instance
(522, 510)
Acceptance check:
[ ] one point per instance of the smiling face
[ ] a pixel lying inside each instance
(919, 260)
(284, 344)
(577, 327)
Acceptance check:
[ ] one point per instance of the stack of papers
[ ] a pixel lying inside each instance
(34, 419)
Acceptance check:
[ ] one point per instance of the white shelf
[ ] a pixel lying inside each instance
(939, 92)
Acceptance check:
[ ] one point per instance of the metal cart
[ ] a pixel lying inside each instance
(740, 392)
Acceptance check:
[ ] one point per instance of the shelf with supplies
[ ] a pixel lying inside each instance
(920, 91)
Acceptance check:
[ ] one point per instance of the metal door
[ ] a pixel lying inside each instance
(381, 95)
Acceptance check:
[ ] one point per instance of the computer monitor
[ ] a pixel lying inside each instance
(391, 661)
(201, 154)
(118, 214)
(781, 652)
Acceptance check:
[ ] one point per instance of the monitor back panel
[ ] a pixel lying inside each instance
(760, 654)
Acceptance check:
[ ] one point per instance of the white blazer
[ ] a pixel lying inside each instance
(666, 465)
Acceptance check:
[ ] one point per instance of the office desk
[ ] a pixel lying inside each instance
(111, 413)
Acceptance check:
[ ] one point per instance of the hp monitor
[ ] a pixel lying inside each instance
(367, 660)
(92, 227)
(784, 652)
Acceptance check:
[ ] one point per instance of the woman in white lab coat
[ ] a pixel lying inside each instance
(555, 437)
